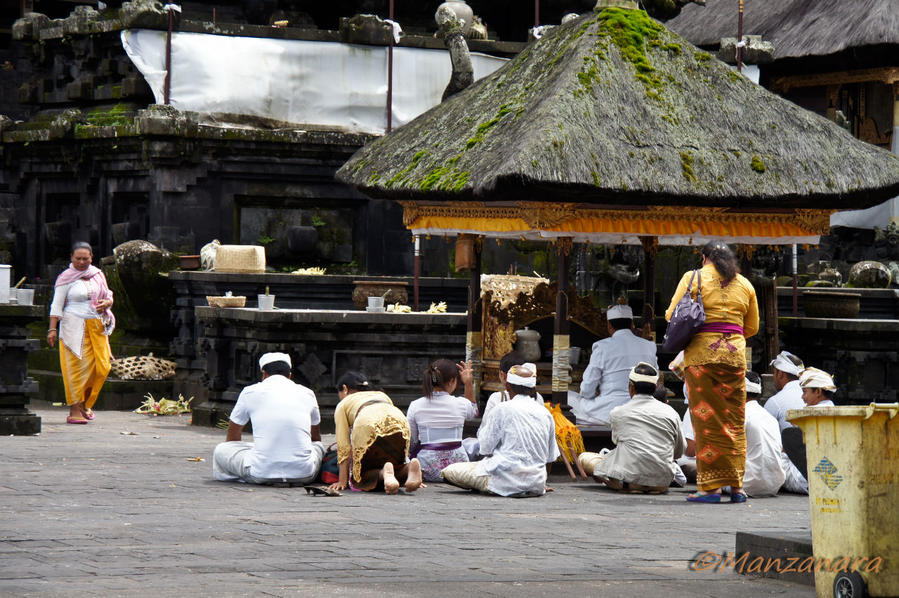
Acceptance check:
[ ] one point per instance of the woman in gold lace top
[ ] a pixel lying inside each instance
(373, 437)
(715, 362)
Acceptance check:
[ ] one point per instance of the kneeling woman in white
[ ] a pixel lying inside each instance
(519, 436)
(436, 419)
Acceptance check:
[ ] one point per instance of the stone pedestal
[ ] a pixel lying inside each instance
(15, 385)
(392, 350)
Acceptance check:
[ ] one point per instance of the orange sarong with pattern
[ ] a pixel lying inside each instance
(718, 412)
(83, 378)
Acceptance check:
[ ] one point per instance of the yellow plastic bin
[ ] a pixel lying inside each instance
(853, 477)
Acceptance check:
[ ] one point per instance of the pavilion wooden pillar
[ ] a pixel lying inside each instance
(650, 250)
(474, 339)
(561, 329)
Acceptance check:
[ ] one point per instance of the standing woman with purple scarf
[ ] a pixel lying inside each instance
(715, 365)
(81, 319)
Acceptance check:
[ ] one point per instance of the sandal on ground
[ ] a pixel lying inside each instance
(75, 420)
(317, 491)
(88, 413)
(706, 497)
(738, 497)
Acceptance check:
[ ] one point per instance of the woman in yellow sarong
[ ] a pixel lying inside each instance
(81, 319)
(372, 436)
(715, 366)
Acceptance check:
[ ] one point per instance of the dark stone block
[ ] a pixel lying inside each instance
(302, 239)
(25, 424)
(773, 546)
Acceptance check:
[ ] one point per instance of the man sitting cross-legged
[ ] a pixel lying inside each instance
(648, 436)
(287, 444)
(519, 436)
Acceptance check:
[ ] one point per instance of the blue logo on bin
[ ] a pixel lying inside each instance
(828, 473)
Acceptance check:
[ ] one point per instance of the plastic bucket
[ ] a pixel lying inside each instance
(376, 304)
(853, 475)
(5, 272)
(266, 302)
(24, 296)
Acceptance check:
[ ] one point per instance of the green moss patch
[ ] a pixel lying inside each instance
(757, 164)
(686, 162)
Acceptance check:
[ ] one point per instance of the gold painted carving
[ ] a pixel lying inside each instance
(546, 215)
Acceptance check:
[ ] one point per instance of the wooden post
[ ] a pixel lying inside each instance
(768, 298)
(650, 249)
(740, 38)
(474, 341)
(167, 85)
(561, 328)
(390, 73)
(417, 271)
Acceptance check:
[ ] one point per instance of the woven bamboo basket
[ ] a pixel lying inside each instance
(142, 367)
(240, 259)
(235, 301)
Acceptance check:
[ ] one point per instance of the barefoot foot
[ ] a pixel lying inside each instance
(391, 484)
(413, 480)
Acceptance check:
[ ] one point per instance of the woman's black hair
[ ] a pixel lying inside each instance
(353, 381)
(438, 376)
(723, 257)
(82, 245)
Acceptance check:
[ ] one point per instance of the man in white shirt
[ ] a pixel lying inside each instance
(764, 471)
(287, 444)
(610, 362)
(648, 439)
(786, 367)
(508, 360)
(519, 436)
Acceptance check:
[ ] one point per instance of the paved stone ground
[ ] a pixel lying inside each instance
(91, 510)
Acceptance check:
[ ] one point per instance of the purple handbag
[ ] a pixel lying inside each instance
(686, 319)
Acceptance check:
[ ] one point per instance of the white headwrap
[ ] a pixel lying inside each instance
(754, 388)
(815, 378)
(523, 375)
(273, 357)
(635, 377)
(782, 362)
(620, 312)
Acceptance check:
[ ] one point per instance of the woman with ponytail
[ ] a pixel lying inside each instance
(436, 419)
(715, 366)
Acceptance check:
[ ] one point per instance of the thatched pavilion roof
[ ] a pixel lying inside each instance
(614, 110)
(795, 27)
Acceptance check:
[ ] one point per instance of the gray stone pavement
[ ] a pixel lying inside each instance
(119, 507)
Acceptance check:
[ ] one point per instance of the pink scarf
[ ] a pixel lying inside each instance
(70, 275)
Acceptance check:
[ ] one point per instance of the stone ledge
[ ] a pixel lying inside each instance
(315, 316)
(771, 546)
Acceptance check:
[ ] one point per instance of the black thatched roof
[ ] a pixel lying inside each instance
(795, 27)
(613, 109)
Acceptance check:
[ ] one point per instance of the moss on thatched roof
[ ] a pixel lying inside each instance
(795, 27)
(614, 109)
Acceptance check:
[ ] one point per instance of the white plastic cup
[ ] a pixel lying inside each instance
(266, 302)
(5, 271)
(376, 303)
(25, 296)
(574, 355)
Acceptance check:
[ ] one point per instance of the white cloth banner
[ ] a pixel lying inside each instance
(328, 84)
